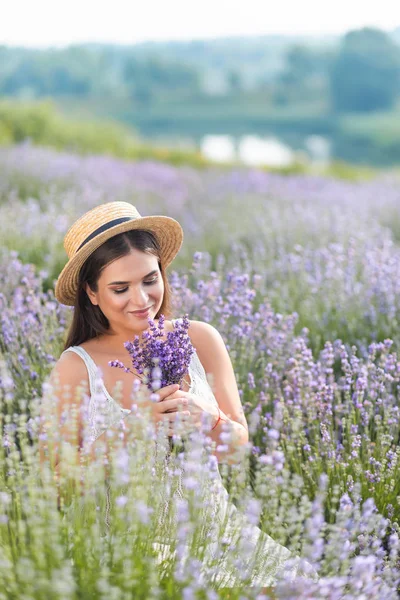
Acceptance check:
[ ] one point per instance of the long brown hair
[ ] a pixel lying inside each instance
(88, 321)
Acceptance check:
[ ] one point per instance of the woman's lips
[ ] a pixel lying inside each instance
(141, 313)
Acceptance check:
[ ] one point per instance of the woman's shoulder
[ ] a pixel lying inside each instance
(202, 331)
(207, 341)
(69, 356)
(69, 369)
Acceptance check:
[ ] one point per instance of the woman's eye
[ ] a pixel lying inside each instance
(144, 283)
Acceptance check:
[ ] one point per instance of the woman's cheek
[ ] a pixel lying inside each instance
(118, 302)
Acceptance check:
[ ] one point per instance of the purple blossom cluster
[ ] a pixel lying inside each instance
(162, 359)
(32, 324)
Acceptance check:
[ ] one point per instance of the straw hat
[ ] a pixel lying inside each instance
(101, 223)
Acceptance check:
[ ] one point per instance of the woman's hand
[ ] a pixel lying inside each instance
(194, 407)
(166, 408)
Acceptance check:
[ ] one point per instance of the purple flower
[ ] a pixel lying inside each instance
(163, 360)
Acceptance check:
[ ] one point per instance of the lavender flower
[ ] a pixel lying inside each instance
(161, 360)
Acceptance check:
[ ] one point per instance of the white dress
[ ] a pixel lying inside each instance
(274, 555)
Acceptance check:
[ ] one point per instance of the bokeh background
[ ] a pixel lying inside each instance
(284, 85)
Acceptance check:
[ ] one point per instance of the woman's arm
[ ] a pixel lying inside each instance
(217, 364)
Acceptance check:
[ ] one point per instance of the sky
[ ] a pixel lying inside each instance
(49, 23)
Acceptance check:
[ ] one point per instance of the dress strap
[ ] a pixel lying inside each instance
(91, 366)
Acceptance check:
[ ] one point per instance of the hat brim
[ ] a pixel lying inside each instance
(169, 235)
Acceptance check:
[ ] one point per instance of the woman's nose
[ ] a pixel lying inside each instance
(139, 298)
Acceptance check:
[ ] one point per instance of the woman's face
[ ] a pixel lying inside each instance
(128, 285)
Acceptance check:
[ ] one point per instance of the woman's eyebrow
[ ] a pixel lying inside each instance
(124, 282)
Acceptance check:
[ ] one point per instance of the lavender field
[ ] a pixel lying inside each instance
(301, 275)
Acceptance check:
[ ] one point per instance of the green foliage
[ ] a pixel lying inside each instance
(146, 79)
(83, 71)
(372, 139)
(43, 125)
(365, 75)
(339, 169)
(304, 75)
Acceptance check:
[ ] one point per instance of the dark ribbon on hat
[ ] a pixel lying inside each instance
(104, 228)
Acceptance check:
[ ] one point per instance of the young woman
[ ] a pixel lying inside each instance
(116, 279)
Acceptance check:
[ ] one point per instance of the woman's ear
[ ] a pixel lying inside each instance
(91, 294)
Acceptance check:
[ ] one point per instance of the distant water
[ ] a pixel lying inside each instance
(253, 150)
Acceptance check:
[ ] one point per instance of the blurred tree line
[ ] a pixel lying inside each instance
(230, 85)
(83, 72)
(360, 72)
(361, 75)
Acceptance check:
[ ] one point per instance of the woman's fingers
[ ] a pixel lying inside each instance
(174, 394)
(167, 391)
(170, 405)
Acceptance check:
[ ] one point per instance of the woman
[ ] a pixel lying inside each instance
(116, 280)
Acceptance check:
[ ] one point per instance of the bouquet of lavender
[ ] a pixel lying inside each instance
(161, 360)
